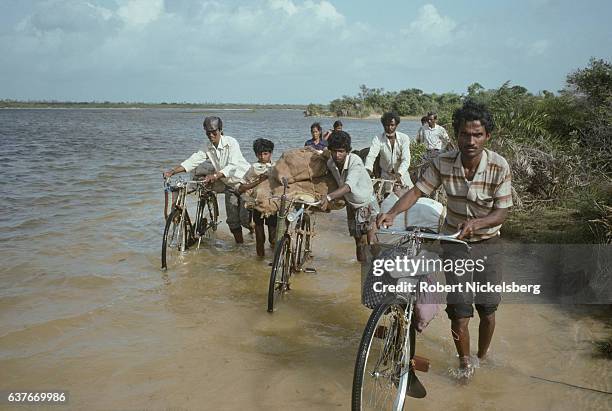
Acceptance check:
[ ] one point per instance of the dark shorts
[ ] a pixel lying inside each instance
(259, 219)
(461, 304)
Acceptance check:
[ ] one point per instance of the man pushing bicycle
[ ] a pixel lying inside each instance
(477, 182)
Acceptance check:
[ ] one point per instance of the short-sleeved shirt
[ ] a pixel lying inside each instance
(321, 145)
(489, 189)
(355, 175)
(432, 137)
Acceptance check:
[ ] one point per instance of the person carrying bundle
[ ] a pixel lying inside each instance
(355, 186)
(256, 175)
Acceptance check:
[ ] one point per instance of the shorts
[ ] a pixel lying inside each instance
(259, 219)
(459, 304)
(362, 219)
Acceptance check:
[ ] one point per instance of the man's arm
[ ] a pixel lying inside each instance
(192, 162)
(495, 218)
(337, 193)
(402, 169)
(404, 203)
(372, 154)
(247, 186)
(235, 157)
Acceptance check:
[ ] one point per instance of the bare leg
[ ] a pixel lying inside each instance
(238, 235)
(272, 235)
(461, 337)
(485, 334)
(260, 240)
(359, 243)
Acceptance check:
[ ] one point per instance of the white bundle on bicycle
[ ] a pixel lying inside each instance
(426, 213)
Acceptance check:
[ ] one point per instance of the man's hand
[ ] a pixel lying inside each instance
(324, 205)
(169, 173)
(211, 178)
(384, 220)
(468, 228)
(263, 177)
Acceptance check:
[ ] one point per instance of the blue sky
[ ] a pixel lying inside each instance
(289, 51)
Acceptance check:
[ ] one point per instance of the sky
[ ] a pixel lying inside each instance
(290, 51)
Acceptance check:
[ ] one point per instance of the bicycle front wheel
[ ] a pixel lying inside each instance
(302, 242)
(281, 270)
(178, 236)
(380, 381)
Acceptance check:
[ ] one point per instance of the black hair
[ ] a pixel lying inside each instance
(337, 123)
(423, 119)
(261, 144)
(433, 113)
(317, 126)
(212, 123)
(388, 116)
(472, 111)
(339, 140)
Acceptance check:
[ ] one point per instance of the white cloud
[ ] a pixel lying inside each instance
(431, 27)
(140, 12)
(286, 5)
(538, 47)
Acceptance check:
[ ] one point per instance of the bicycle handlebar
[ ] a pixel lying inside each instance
(420, 234)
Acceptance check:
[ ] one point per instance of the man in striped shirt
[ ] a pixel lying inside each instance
(477, 184)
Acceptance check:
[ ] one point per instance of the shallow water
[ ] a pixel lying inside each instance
(84, 306)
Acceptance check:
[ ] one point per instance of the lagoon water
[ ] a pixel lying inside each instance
(84, 306)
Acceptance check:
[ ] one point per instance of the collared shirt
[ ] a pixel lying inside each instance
(226, 158)
(393, 160)
(490, 189)
(356, 177)
(321, 145)
(432, 137)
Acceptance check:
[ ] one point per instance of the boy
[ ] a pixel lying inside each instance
(254, 176)
(355, 186)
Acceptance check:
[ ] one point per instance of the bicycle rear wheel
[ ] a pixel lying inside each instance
(208, 215)
(281, 271)
(302, 243)
(378, 382)
(178, 236)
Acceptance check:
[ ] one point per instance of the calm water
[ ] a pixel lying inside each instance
(84, 306)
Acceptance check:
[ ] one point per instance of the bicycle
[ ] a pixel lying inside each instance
(385, 367)
(294, 218)
(381, 188)
(179, 232)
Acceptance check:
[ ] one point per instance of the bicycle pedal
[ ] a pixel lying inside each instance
(309, 270)
(420, 363)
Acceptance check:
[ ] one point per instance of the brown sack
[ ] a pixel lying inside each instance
(265, 198)
(300, 164)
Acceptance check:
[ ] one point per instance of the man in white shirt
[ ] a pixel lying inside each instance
(355, 186)
(394, 150)
(434, 136)
(230, 167)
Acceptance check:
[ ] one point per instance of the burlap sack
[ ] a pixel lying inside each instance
(300, 164)
(265, 198)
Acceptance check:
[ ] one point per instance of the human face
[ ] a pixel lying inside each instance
(339, 156)
(390, 127)
(431, 120)
(338, 128)
(214, 136)
(315, 133)
(264, 157)
(471, 139)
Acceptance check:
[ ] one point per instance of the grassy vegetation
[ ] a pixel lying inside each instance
(559, 147)
(109, 104)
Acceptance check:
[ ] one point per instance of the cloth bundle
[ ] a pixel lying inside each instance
(301, 164)
(306, 172)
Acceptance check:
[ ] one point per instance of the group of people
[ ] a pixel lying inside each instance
(476, 180)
